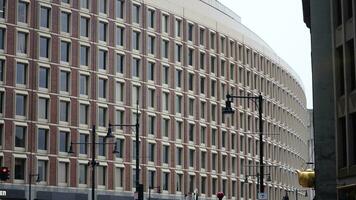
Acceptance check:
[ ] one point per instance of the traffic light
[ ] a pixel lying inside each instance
(306, 178)
(4, 173)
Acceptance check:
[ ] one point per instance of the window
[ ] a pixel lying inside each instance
(151, 71)
(202, 85)
(84, 26)
(151, 44)
(1, 109)
(83, 113)
(165, 101)
(45, 18)
(213, 88)
(191, 132)
(65, 51)
(202, 60)
(213, 65)
(201, 36)
(63, 172)
(191, 107)
(83, 173)
(22, 12)
(212, 40)
(136, 67)
(222, 68)
(213, 112)
(2, 38)
(179, 182)
(119, 177)
(179, 104)
(213, 137)
(102, 62)
(192, 183)
(119, 9)
(84, 4)
(103, 6)
(20, 136)
(203, 160)
(179, 129)
(190, 81)
(84, 55)
(165, 180)
(120, 35)
(190, 31)
(103, 31)
(101, 146)
(151, 179)
(64, 81)
(120, 147)
(165, 74)
(178, 78)
(165, 154)
(191, 157)
(165, 48)
(178, 57)
(222, 45)
(120, 89)
(213, 159)
(20, 168)
(135, 93)
(190, 56)
(178, 27)
(203, 185)
(65, 22)
(64, 111)
(151, 98)
(44, 47)
(22, 42)
(202, 134)
(151, 18)
(2, 8)
(42, 170)
(165, 23)
(43, 108)
(21, 105)
(120, 63)
(136, 13)
(179, 156)
(66, 1)
(151, 124)
(102, 116)
(63, 141)
(136, 40)
(202, 110)
(21, 73)
(83, 84)
(43, 77)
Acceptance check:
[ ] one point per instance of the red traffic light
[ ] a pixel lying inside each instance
(220, 195)
(4, 173)
(4, 169)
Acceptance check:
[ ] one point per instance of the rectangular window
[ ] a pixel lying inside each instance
(102, 87)
(178, 78)
(212, 40)
(20, 136)
(63, 172)
(213, 88)
(64, 81)
(202, 110)
(21, 105)
(191, 157)
(165, 23)
(178, 50)
(102, 116)
(83, 84)
(165, 74)
(43, 108)
(136, 40)
(151, 44)
(83, 173)
(136, 67)
(179, 182)
(151, 71)
(165, 154)
(179, 129)
(202, 85)
(213, 65)
(120, 147)
(1, 111)
(120, 116)
(119, 9)
(202, 60)
(103, 31)
(84, 26)
(203, 160)
(165, 101)
(22, 42)
(84, 4)
(65, 51)
(102, 61)
(179, 156)
(84, 55)
(83, 113)
(151, 124)
(136, 93)
(42, 170)
(64, 111)
(22, 11)
(63, 141)
(201, 36)
(65, 22)
(179, 104)
(190, 56)
(120, 90)
(191, 132)
(190, 31)
(165, 48)
(151, 98)
(21, 73)
(222, 68)
(151, 18)
(151, 179)
(190, 81)
(120, 35)
(165, 180)
(213, 136)
(136, 13)
(2, 8)
(45, 18)
(120, 63)
(101, 146)
(2, 38)
(191, 107)
(43, 77)
(44, 47)
(20, 168)
(103, 6)
(178, 28)
(202, 135)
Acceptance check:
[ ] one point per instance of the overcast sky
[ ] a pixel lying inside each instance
(280, 23)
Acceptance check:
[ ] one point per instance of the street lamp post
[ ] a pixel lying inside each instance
(139, 187)
(228, 110)
(30, 183)
(93, 161)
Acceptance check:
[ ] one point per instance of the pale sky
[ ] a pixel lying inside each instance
(280, 23)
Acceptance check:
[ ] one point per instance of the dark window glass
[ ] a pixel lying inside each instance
(120, 148)
(120, 9)
(84, 4)
(42, 170)
(42, 139)
(136, 40)
(64, 81)
(84, 55)
(120, 36)
(20, 165)
(44, 47)
(1, 108)
(136, 13)
(45, 17)
(84, 26)
(83, 84)
(65, 47)
(20, 136)
(65, 22)
(102, 116)
(43, 77)
(83, 113)
(151, 18)
(22, 9)
(21, 73)
(2, 8)
(64, 111)
(102, 59)
(63, 141)
(136, 67)
(22, 42)
(101, 146)
(102, 88)
(120, 60)
(43, 108)
(102, 6)
(102, 31)
(2, 38)
(83, 172)
(20, 105)
(83, 139)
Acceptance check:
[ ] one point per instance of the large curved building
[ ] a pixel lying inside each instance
(66, 65)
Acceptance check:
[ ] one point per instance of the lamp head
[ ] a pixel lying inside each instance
(38, 178)
(109, 134)
(71, 149)
(228, 109)
(115, 151)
